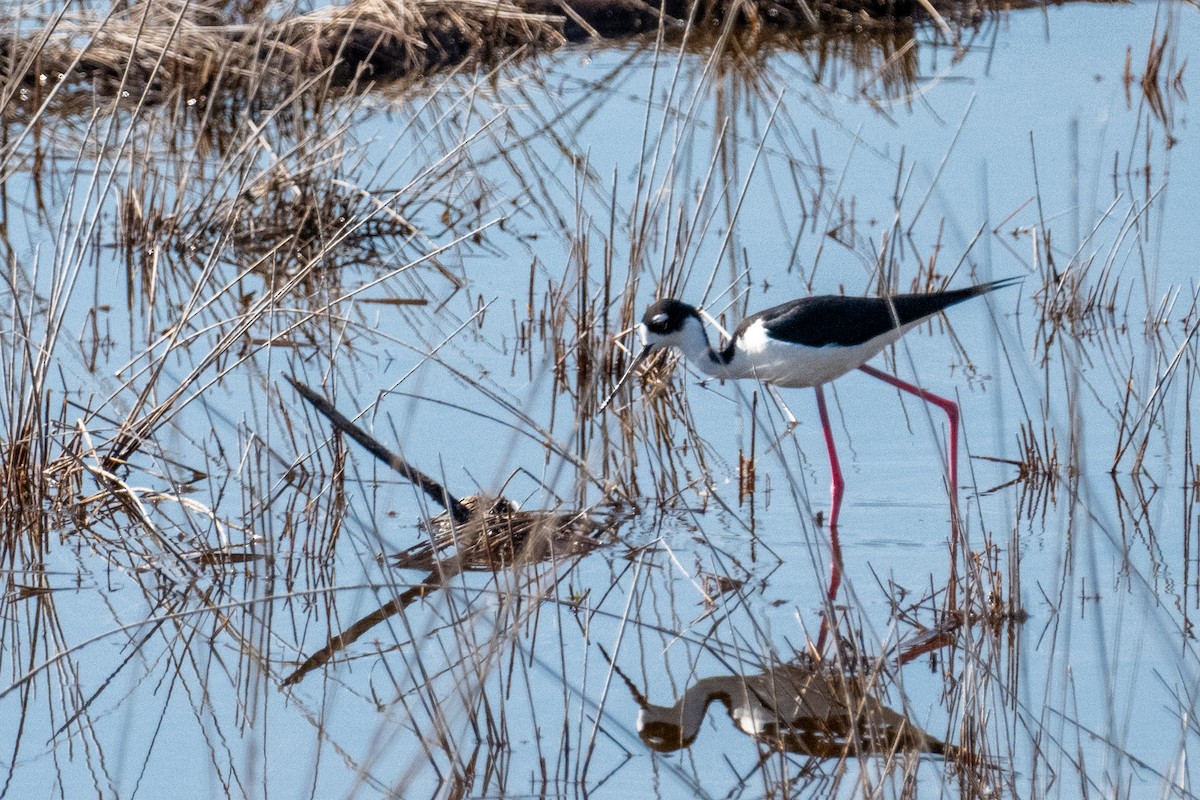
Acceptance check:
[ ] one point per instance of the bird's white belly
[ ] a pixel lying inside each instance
(796, 365)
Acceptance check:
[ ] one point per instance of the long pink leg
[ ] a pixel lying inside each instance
(951, 409)
(836, 488)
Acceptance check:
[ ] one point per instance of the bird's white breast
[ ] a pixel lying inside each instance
(796, 365)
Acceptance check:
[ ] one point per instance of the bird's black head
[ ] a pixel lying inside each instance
(668, 316)
(665, 324)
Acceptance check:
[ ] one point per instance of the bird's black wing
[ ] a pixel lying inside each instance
(847, 321)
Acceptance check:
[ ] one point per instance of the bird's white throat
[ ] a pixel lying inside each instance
(692, 340)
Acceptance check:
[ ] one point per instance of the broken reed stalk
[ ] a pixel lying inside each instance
(438, 493)
(339, 642)
(482, 533)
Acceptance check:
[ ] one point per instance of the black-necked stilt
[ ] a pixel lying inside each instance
(809, 342)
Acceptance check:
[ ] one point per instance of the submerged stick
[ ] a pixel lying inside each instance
(438, 493)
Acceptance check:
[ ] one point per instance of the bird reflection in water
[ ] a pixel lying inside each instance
(805, 709)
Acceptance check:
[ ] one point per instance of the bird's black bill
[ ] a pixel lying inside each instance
(637, 362)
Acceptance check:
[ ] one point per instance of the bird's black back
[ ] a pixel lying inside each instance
(847, 321)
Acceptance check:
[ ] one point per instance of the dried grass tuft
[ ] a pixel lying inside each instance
(155, 51)
(209, 54)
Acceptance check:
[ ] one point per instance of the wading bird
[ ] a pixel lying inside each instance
(809, 342)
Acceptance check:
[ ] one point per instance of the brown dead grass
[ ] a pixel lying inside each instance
(199, 53)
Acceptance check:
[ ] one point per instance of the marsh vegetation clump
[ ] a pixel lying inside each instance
(211, 55)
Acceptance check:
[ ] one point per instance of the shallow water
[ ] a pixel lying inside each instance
(802, 174)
